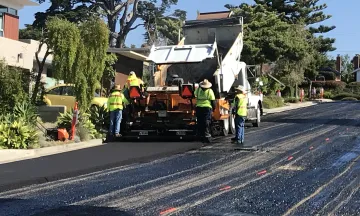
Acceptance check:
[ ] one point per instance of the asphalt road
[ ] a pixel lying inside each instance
(307, 163)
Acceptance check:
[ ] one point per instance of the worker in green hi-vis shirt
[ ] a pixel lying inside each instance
(240, 112)
(205, 105)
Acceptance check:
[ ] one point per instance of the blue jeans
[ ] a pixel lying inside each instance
(239, 128)
(115, 120)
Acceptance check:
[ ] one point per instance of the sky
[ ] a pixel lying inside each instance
(344, 17)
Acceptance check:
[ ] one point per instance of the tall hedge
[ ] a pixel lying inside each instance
(13, 87)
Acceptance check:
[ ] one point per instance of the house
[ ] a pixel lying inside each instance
(129, 59)
(18, 53)
(356, 64)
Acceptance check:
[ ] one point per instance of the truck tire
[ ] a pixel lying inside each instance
(225, 126)
(258, 118)
(231, 124)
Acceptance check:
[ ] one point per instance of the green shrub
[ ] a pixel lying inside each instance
(345, 95)
(100, 117)
(291, 100)
(353, 87)
(14, 85)
(18, 135)
(328, 94)
(84, 123)
(349, 99)
(26, 111)
(272, 102)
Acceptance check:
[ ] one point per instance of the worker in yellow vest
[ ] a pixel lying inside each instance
(116, 104)
(205, 105)
(133, 80)
(240, 112)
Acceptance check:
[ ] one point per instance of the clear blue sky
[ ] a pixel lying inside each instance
(344, 12)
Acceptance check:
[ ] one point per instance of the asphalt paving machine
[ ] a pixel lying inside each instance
(210, 49)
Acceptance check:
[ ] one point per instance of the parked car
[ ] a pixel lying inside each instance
(64, 94)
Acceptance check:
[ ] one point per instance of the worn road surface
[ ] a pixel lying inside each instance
(307, 163)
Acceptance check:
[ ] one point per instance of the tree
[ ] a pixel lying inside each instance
(122, 12)
(12, 90)
(74, 11)
(109, 71)
(309, 12)
(347, 69)
(31, 32)
(90, 60)
(79, 54)
(267, 38)
(161, 28)
(64, 40)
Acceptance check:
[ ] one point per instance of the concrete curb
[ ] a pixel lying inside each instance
(295, 106)
(11, 155)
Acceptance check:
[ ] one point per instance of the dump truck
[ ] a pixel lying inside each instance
(210, 49)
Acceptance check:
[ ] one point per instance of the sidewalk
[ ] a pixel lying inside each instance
(292, 106)
(78, 162)
(11, 155)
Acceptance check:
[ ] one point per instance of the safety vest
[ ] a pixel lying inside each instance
(241, 106)
(204, 98)
(116, 101)
(133, 81)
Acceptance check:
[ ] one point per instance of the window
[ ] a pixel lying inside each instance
(49, 72)
(8, 10)
(12, 11)
(3, 9)
(68, 91)
(56, 91)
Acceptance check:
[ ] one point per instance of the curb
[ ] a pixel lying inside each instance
(12, 155)
(284, 109)
(59, 176)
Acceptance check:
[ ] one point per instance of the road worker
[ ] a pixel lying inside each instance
(205, 105)
(116, 104)
(240, 112)
(133, 80)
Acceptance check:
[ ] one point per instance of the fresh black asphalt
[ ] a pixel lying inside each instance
(73, 163)
(307, 163)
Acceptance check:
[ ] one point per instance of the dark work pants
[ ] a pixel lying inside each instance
(203, 115)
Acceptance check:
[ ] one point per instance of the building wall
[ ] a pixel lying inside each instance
(357, 74)
(17, 53)
(21, 53)
(124, 66)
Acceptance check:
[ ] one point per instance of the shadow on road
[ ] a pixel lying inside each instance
(341, 122)
(75, 210)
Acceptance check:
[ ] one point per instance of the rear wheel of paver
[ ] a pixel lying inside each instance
(225, 125)
(258, 118)
(231, 124)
